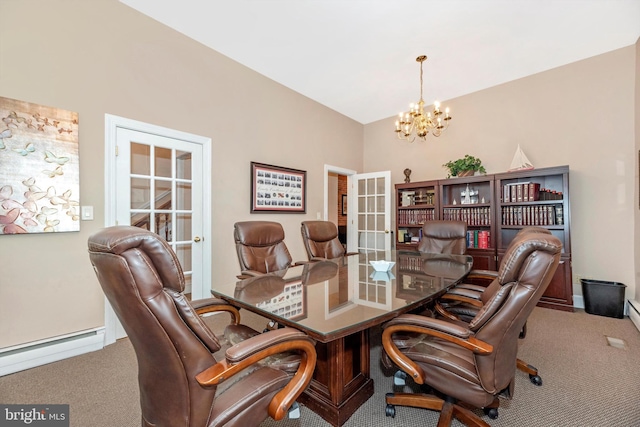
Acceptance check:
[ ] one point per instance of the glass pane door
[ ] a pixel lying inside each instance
(373, 211)
(158, 192)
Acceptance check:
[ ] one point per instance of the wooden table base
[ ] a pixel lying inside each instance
(341, 382)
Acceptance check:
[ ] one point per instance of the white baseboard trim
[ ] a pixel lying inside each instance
(578, 301)
(634, 312)
(27, 356)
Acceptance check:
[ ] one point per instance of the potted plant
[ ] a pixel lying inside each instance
(465, 166)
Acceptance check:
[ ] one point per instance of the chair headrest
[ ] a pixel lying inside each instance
(319, 231)
(258, 233)
(119, 239)
(445, 229)
(519, 250)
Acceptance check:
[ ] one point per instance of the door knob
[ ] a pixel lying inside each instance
(196, 239)
(386, 231)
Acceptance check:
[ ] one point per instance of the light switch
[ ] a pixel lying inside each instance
(87, 213)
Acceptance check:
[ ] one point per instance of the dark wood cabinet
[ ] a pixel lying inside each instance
(495, 207)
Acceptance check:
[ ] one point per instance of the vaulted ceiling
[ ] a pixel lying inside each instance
(358, 57)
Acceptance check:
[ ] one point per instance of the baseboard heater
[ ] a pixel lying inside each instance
(26, 356)
(634, 312)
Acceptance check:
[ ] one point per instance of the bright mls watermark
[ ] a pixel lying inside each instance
(34, 415)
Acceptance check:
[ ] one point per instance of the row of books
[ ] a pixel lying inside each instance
(528, 192)
(480, 216)
(478, 239)
(415, 216)
(533, 215)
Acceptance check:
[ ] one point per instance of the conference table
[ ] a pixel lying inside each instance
(337, 302)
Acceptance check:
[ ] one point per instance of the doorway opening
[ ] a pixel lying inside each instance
(336, 199)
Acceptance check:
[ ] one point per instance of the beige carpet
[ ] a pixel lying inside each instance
(586, 381)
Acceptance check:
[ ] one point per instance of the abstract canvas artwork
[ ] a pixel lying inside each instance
(39, 169)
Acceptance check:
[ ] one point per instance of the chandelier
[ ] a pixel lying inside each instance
(416, 121)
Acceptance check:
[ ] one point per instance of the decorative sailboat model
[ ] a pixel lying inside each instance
(520, 161)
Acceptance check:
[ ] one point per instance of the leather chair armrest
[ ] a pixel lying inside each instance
(252, 350)
(465, 295)
(246, 348)
(415, 320)
(246, 274)
(481, 278)
(453, 333)
(213, 305)
(471, 287)
(489, 274)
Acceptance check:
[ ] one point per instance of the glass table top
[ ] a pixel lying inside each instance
(335, 298)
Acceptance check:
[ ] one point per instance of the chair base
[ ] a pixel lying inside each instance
(531, 370)
(448, 408)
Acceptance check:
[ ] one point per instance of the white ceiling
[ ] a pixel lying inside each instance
(358, 56)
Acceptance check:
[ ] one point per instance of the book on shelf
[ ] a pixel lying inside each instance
(478, 239)
(534, 191)
(533, 215)
(517, 192)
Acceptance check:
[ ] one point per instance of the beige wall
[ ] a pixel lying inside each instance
(581, 115)
(96, 57)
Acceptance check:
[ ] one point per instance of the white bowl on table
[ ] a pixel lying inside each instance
(382, 265)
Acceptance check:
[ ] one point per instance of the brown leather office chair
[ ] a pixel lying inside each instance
(321, 240)
(444, 237)
(463, 302)
(182, 382)
(473, 363)
(260, 247)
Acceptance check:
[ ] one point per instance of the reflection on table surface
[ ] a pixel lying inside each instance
(335, 298)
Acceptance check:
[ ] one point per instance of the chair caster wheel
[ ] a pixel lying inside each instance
(390, 411)
(535, 379)
(491, 413)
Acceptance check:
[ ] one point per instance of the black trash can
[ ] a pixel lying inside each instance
(603, 298)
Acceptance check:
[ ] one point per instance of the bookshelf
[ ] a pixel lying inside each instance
(416, 203)
(538, 197)
(470, 199)
(495, 207)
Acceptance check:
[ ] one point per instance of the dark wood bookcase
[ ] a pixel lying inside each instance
(471, 199)
(538, 197)
(499, 205)
(415, 203)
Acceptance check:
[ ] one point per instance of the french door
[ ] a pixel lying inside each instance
(370, 203)
(155, 192)
(160, 182)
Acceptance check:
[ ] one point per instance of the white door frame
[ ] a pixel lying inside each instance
(340, 171)
(112, 123)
